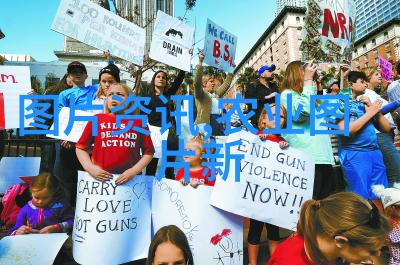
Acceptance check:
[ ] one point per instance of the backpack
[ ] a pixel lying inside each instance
(13, 200)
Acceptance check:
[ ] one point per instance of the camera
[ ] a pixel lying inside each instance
(317, 73)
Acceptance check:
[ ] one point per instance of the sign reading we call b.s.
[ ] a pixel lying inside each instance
(219, 47)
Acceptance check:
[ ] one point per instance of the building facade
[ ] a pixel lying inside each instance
(383, 41)
(370, 14)
(17, 57)
(279, 44)
(294, 3)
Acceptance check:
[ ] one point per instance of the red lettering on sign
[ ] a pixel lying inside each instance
(334, 23)
(226, 54)
(216, 52)
(4, 77)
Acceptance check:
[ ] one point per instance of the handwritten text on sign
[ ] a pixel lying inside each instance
(91, 24)
(111, 219)
(219, 47)
(386, 69)
(203, 224)
(273, 181)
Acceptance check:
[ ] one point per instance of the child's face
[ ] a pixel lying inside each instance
(168, 254)
(106, 81)
(266, 123)
(116, 90)
(359, 86)
(191, 146)
(376, 78)
(42, 198)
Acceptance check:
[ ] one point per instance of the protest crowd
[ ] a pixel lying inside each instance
(133, 181)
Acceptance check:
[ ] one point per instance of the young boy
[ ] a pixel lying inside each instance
(358, 153)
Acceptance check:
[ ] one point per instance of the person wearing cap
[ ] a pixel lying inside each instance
(206, 98)
(332, 87)
(82, 96)
(263, 90)
(390, 198)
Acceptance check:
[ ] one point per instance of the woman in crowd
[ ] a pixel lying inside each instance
(340, 229)
(298, 83)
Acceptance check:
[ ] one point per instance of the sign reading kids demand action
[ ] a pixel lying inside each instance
(112, 223)
(171, 42)
(219, 47)
(273, 182)
(215, 236)
(329, 29)
(91, 24)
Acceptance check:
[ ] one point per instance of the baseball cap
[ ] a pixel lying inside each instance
(76, 67)
(264, 68)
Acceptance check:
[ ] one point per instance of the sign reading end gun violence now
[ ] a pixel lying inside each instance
(273, 182)
(112, 223)
(91, 24)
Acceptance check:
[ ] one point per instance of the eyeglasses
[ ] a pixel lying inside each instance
(373, 220)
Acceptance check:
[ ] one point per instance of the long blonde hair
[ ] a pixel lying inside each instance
(345, 214)
(294, 77)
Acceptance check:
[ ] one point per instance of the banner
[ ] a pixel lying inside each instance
(14, 81)
(386, 69)
(31, 249)
(112, 223)
(215, 236)
(63, 121)
(89, 23)
(157, 138)
(273, 182)
(171, 42)
(219, 47)
(329, 30)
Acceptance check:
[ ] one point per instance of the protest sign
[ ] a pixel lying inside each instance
(14, 81)
(89, 23)
(112, 223)
(12, 168)
(219, 47)
(157, 137)
(63, 121)
(386, 69)
(31, 249)
(171, 42)
(329, 30)
(273, 182)
(215, 236)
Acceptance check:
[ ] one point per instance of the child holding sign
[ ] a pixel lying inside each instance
(196, 169)
(47, 212)
(126, 154)
(256, 227)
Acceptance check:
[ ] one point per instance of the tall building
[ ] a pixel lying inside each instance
(370, 14)
(382, 41)
(279, 44)
(294, 3)
(141, 12)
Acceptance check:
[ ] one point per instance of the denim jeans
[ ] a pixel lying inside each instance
(391, 157)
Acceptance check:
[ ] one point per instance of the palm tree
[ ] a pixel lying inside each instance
(244, 79)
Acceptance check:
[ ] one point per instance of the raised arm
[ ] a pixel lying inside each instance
(177, 83)
(198, 76)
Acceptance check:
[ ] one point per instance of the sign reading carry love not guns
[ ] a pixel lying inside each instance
(14, 81)
(91, 24)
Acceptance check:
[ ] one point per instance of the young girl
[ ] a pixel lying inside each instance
(391, 202)
(46, 212)
(126, 154)
(169, 247)
(196, 169)
(339, 229)
(256, 227)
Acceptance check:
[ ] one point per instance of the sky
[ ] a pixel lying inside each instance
(26, 24)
